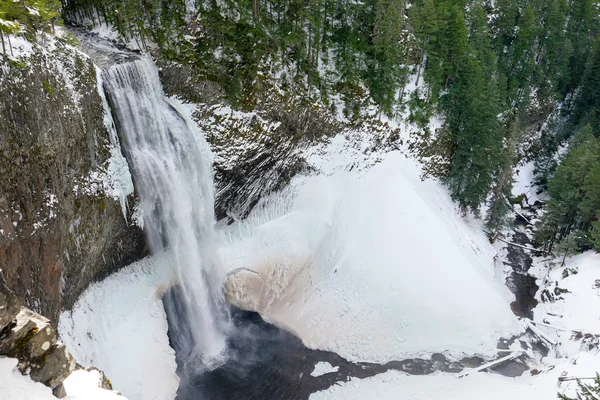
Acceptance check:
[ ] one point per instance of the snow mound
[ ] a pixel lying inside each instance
(373, 264)
(87, 385)
(119, 325)
(322, 368)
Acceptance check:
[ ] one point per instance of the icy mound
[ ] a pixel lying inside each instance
(375, 265)
(119, 325)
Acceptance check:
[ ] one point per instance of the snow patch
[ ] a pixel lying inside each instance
(524, 183)
(21, 47)
(86, 385)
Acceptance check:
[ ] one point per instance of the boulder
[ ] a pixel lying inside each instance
(29, 338)
(44, 336)
(54, 367)
(105, 383)
(59, 391)
(32, 340)
(18, 335)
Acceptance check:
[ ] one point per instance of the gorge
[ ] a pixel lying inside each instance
(195, 204)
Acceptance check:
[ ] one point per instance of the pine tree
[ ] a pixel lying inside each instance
(498, 203)
(587, 106)
(471, 109)
(574, 190)
(387, 71)
(424, 21)
(453, 42)
(554, 52)
(582, 24)
(586, 390)
(522, 58)
(480, 37)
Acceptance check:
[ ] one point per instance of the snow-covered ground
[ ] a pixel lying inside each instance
(572, 319)
(524, 183)
(15, 386)
(119, 325)
(372, 264)
(363, 259)
(576, 286)
(395, 385)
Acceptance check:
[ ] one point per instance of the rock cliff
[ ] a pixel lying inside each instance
(62, 224)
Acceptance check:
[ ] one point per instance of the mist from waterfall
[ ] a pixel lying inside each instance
(172, 169)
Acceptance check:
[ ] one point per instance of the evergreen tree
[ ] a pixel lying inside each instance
(424, 21)
(452, 43)
(587, 106)
(574, 190)
(587, 390)
(554, 52)
(387, 71)
(521, 62)
(471, 109)
(480, 37)
(580, 32)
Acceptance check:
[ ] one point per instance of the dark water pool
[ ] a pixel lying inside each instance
(268, 363)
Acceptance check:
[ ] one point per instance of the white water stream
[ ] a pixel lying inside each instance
(171, 166)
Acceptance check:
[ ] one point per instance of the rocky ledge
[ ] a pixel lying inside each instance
(31, 339)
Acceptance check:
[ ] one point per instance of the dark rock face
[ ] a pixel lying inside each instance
(256, 154)
(54, 368)
(31, 339)
(9, 305)
(59, 229)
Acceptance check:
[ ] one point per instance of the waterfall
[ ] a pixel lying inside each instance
(172, 171)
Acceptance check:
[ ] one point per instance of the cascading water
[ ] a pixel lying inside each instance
(172, 169)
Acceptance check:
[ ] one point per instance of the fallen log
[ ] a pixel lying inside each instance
(491, 364)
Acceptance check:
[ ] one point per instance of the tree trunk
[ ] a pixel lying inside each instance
(2, 37)
(308, 57)
(419, 69)
(10, 45)
(565, 257)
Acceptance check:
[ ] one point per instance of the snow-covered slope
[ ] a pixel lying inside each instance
(569, 307)
(371, 263)
(576, 288)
